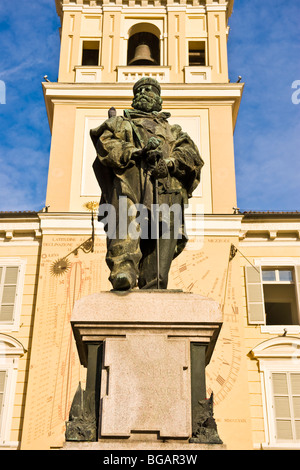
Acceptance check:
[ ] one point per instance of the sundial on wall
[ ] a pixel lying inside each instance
(223, 370)
(62, 265)
(195, 274)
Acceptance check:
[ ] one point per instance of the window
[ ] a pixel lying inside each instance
(279, 368)
(8, 290)
(197, 53)
(272, 295)
(10, 352)
(90, 53)
(286, 403)
(12, 273)
(279, 296)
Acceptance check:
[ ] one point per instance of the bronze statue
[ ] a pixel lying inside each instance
(144, 164)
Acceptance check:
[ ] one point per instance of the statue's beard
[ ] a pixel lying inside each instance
(146, 103)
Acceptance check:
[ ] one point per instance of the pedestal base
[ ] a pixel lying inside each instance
(150, 341)
(117, 445)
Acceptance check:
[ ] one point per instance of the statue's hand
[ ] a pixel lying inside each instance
(160, 170)
(137, 154)
(152, 143)
(153, 156)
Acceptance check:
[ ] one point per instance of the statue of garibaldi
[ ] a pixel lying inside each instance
(148, 163)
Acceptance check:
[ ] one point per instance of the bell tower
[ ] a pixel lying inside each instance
(105, 48)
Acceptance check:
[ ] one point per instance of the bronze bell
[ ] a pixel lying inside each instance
(142, 56)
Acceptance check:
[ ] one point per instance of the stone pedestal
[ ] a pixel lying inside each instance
(146, 353)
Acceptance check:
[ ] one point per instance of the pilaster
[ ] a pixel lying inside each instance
(110, 55)
(217, 43)
(176, 43)
(70, 46)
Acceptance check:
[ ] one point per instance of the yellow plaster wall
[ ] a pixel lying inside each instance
(206, 270)
(54, 369)
(70, 46)
(111, 45)
(222, 160)
(254, 336)
(176, 45)
(61, 158)
(24, 333)
(84, 154)
(202, 268)
(217, 46)
(72, 154)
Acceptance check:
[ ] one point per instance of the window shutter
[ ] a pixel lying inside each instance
(297, 281)
(2, 386)
(9, 289)
(286, 396)
(282, 407)
(255, 297)
(295, 385)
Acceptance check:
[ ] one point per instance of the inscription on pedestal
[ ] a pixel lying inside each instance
(148, 387)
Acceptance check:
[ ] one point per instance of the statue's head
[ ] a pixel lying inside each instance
(147, 95)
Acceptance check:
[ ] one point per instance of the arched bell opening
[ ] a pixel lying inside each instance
(143, 49)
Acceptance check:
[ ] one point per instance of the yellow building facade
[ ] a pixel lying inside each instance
(248, 262)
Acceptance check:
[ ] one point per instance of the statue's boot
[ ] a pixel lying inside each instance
(124, 281)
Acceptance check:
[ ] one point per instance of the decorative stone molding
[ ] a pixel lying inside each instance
(277, 348)
(197, 74)
(130, 74)
(11, 347)
(85, 74)
(209, 4)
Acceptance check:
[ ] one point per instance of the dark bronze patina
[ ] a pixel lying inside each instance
(84, 413)
(204, 425)
(141, 156)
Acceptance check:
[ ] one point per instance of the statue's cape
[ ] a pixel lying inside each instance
(186, 150)
(105, 175)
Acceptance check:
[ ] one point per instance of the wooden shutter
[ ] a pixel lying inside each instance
(3, 374)
(297, 282)
(286, 396)
(8, 293)
(282, 409)
(255, 297)
(295, 386)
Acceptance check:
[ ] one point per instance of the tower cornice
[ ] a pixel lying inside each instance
(208, 4)
(120, 94)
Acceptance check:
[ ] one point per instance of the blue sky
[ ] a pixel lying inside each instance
(263, 47)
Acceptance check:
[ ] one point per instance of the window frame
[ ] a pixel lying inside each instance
(278, 355)
(276, 269)
(10, 352)
(290, 263)
(197, 40)
(278, 282)
(14, 325)
(89, 39)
